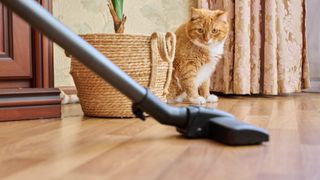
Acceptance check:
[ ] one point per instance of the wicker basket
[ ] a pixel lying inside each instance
(147, 59)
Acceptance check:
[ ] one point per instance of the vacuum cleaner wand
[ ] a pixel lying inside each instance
(192, 122)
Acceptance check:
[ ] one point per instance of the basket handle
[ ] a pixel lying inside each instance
(165, 45)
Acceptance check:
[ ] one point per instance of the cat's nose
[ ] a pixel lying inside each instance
(206, 39)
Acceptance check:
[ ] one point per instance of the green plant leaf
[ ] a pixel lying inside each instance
(118, 6)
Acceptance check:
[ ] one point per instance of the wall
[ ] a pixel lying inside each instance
(92, 16)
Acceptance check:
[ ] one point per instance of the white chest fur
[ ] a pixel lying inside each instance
(216, 50)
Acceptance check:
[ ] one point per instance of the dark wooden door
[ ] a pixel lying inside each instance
(26, 70)
(15, 51)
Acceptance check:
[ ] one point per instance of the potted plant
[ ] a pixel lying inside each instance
(147, 59)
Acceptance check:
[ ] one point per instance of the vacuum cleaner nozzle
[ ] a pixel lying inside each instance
(222, 127)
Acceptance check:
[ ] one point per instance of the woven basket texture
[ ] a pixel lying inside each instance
(147, 59)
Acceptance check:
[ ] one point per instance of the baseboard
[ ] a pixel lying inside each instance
(29, 103)
(315, 87)
(316, 79)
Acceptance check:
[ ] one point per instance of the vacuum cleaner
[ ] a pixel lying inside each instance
(191, 122)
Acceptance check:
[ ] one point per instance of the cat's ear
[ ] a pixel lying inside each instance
(195, 13)
(223, 16)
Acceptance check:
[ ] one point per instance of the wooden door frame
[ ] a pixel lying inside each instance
(43, 55)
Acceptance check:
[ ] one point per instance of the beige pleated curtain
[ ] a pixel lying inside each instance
(266, 50)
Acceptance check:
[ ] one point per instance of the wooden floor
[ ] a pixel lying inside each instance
(78, 147)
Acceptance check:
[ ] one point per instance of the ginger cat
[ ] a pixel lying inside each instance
(200, 44)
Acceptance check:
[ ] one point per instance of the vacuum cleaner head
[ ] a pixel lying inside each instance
(222, 127)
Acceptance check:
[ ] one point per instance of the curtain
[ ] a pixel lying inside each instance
(266, 51)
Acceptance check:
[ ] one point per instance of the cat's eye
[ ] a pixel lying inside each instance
(200, 30)
(214, 31)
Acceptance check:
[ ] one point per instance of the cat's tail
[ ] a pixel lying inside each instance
(175, 95)
(68, 99)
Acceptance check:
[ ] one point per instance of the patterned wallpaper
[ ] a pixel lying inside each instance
(92, 16)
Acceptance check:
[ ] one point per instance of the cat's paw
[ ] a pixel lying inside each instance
(198, 100)
(212, 98)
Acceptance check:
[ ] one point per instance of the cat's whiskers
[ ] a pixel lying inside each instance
(199, 44)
